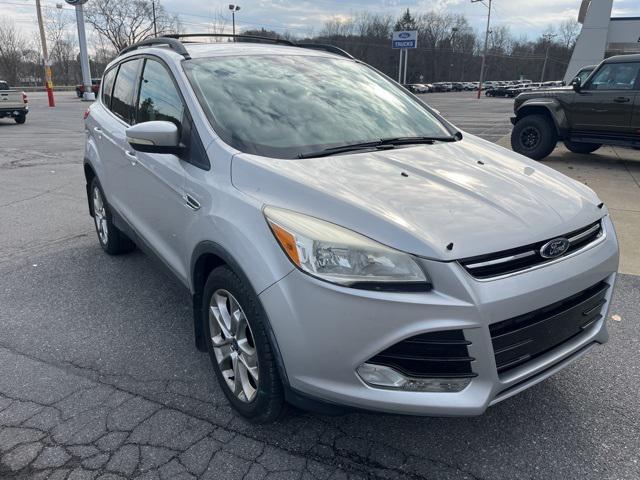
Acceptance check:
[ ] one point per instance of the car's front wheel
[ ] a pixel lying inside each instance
(235, 326)
(112, 240)
(534, 136)
(581, 147)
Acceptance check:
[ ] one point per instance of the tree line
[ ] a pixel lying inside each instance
(449, 49)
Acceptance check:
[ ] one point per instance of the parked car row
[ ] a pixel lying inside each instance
(512, 90)
(441, 87)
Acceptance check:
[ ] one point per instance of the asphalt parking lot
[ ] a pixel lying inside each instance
(99, 376)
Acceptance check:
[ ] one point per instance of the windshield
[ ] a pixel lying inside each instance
(286, 106)
(584, 74)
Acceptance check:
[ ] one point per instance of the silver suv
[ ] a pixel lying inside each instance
(344, 245)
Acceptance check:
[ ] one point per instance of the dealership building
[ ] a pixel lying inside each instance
(602, 35)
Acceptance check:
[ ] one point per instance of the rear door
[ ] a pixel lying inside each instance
(606, 102)
(114, 150)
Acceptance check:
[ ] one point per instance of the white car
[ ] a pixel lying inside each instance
(344, 245)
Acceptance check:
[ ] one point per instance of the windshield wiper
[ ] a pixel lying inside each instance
(412, 140)
(382, 144)
(377, 144)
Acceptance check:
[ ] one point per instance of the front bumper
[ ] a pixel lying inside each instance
(325, 332)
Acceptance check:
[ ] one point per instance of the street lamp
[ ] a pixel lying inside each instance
(234, 8)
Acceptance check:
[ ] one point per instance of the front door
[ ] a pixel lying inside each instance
(606, 102)
(155, 198)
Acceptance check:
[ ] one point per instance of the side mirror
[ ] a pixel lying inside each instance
(576, 83)
(154, 137)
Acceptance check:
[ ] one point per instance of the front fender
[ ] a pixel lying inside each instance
(549, 106)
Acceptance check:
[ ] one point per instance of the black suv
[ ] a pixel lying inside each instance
(604, 110)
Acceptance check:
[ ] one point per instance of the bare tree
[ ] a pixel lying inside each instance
(218, 23)
(123, 23)
(568, 32)
(11, 46)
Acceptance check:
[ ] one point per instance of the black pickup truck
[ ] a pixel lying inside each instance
(602, 110)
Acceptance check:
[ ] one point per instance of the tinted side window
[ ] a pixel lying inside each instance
(159, 99)
(107, 86)
(615, 76)
(122, 101)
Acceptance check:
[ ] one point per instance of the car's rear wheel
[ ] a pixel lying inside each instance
(111, 239)
(239, 347)
(581, 147)
(534, 136)
(20, 119)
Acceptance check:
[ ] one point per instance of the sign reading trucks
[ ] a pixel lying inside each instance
(405, 39)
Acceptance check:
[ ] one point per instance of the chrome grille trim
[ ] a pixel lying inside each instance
(574, 239)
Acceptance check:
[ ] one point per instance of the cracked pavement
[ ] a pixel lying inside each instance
(100, 379)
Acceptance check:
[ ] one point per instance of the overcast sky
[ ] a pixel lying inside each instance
(529, 17)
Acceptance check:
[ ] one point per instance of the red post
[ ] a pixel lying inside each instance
(49, 85)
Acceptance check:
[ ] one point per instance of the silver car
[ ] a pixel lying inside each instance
(344, 245)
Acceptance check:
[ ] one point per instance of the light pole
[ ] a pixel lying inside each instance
(454, 30)
(486, 45)
(234, 8)
(548, 38)
(87, 95)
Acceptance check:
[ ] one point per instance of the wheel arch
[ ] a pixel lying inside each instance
(549, 108)
(206, 256)
(89, 175)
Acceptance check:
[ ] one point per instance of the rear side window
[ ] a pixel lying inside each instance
(107, 86)
(159, 98)
(123, 90)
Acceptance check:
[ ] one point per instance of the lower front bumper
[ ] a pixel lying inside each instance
(325, 332)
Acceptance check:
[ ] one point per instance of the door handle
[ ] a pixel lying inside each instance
(622, 99)
(132, 157)
(191, 202)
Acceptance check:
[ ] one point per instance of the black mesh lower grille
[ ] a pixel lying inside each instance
(523, 338)
(434, 355)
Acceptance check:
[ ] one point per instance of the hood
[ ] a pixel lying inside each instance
(474, 194)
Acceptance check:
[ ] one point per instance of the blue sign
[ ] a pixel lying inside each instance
(405, 39)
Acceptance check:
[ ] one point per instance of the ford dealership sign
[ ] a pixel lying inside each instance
(405, 39)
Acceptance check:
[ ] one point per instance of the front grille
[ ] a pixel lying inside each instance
(434, 355)
(523, 338)
(521, 258)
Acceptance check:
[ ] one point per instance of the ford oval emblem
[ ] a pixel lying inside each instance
(404, 35)
(554, 248)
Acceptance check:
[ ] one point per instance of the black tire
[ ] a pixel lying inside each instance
(268, 405)
(79, 93)
(115, 242)
(580, 147)
(534, 136)
(20, 119)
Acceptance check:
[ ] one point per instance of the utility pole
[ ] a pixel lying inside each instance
(486, 45)
(153, 10)
(548, 37)
(234, 8)
(45, 53)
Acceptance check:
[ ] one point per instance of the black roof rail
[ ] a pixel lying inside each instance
(171, 42)
(326, 48)
(229, 35)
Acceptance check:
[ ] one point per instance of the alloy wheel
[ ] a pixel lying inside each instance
(530, 137)
(233, 345)
(100, 216)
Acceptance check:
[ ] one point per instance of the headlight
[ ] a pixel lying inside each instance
(338, 255)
